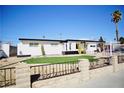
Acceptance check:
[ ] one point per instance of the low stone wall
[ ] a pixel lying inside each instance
(70, 80)
(23, 73)
(67, 80)
(62, 81)
(23, 76)
(100, 71)
(108, 69)
(84, 75)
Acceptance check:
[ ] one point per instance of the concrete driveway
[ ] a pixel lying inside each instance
(113, 80)
(11, 61)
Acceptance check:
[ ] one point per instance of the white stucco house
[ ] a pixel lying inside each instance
(35, 47)
(7, 50)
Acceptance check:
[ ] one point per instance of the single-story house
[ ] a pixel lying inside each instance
(7, 50)
(35, 47)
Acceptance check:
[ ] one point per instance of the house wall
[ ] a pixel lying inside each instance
(5, 48)
(53, 49)
(64, 46)
(90, 49)
(50, 49)
(72, 45)
(25, 49)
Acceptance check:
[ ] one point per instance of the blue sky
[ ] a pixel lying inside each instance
(73, 22)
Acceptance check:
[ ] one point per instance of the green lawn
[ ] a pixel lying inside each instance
(58, 59)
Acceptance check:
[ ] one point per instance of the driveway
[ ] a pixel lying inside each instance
(11, 61)
(113, 80)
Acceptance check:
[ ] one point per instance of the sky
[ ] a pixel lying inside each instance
(58, 22)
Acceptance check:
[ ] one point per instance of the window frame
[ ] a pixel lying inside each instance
(33, 44)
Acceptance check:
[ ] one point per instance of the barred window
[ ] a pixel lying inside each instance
(92, 45)
(54, 44)
(33, 44)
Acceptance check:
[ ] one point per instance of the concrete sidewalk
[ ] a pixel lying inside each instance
(113, 80)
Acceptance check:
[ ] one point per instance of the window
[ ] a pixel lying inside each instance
(54, 44)
(92, 45)
(33, 44)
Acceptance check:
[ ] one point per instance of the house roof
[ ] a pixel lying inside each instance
(57, 40)
(83, 40)
(39, 39)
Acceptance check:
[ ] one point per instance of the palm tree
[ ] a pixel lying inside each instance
(116, 17)
(121, 39)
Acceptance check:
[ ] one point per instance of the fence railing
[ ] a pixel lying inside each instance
(41, 72)
(101, 62)
(120, 59)
(7, 76)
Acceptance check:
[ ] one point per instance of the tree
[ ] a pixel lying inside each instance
(101, 39)
(79, 48)
(42, 47)
(121, 39)
(42, 50)
(116, 17)
(101, 45)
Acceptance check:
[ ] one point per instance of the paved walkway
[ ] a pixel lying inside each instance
(113, 80)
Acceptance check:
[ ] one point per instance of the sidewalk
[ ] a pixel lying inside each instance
(113, 80)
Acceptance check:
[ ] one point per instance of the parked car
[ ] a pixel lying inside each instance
(2, 54)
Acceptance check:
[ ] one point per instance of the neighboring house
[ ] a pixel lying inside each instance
(35, 47)
(7, 50)
(117, 47)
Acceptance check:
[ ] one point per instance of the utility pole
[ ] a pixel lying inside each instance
(0, 45)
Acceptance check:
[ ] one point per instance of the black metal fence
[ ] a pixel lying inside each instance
(120, 59)
(41, 72)
(101, 62)
(7, 76)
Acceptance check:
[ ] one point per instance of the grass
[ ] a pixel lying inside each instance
(51, 60)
